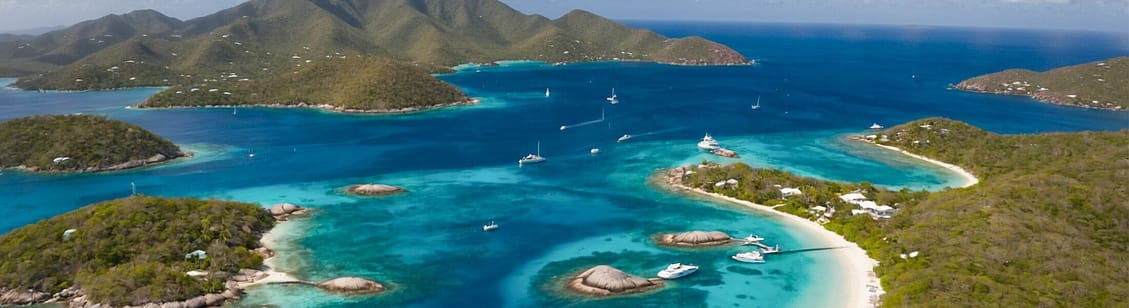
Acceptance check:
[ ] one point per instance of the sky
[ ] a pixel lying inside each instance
(1100, 15)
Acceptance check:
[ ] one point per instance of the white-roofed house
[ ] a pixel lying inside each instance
(853, 198)
(789, 191)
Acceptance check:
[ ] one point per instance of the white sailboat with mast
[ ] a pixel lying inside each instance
(613, 99)
(758, 105)
(532, 158)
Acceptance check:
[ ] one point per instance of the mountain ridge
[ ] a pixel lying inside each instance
(258, 37)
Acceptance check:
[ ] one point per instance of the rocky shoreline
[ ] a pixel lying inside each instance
(137, 163)
(328, 107)
(1044, 96)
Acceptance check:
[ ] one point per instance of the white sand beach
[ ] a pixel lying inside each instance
(861, 286)
(969, 179)
(269, 241)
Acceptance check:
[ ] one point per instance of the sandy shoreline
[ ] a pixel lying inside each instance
(269, 240)
(861, 285)
(969, 179)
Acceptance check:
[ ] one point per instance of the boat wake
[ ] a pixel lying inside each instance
(581, 124)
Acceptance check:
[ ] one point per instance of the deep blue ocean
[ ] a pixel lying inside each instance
(816, 83)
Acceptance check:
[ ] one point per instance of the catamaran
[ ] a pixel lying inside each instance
(758, 105)
(677, 270)
(613, 99)
(532, 158)
(708, 143)
(490, 227)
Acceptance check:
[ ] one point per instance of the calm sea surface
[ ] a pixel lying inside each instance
(815, 84)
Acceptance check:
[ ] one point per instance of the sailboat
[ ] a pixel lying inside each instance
(758, 105)
(546, 92)
(613, 99)
(234, 110)
(490, 227)
(532, 158)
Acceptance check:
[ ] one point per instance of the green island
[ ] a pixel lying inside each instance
(133, 251)
(1100, 84)
(256, 41)
(1046, 226)
(360, 84)
(79, 143)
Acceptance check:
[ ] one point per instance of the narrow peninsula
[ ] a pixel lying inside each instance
(79, 143)
(346, 84)
(1101, 84)
(1048, 212)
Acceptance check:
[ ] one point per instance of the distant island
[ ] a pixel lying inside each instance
(346, 84)
(79, 143)
(1049, 212)
(1100, 84)
(266, 40)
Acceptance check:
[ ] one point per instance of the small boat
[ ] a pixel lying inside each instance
(752, 239)
(234, 111)
(749, 257)
(677, 270)
(775, 249)
(563, 127)
(623, 138)
(251, 154)
(595, 151)
(758, 105)
(875, 126)
(532, 158)
(546, 92)
(490, 227)
(613, 99)
(708, 143)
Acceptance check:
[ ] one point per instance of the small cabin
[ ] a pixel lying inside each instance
(790, 191)
(198, 254)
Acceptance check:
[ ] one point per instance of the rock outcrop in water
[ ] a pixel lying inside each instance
(351, 285)
(695, 238)
(373, 190)
(282, 211)
(603, 280)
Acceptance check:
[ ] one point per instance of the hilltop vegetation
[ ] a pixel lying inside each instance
(260, 38)
(132, 251)
(353, 83)
(1048, 225)
(1101, 84)
(89, 143)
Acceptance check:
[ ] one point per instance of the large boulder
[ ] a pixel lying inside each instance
(695, 238)
(351, 285)
(373, 189)
(605, 280)
(285, 209)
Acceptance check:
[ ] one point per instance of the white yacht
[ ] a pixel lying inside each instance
(677, 270)
(623, 138)
(546, 92)
(595, 151)
(749, 257)
(490, 227)
(758, 105)
(532, 158)
(875, 126)
(564, 127)
(613, 99)
(708, 143)
(753, 239)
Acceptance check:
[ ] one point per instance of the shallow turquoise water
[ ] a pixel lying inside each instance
(576, 210)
